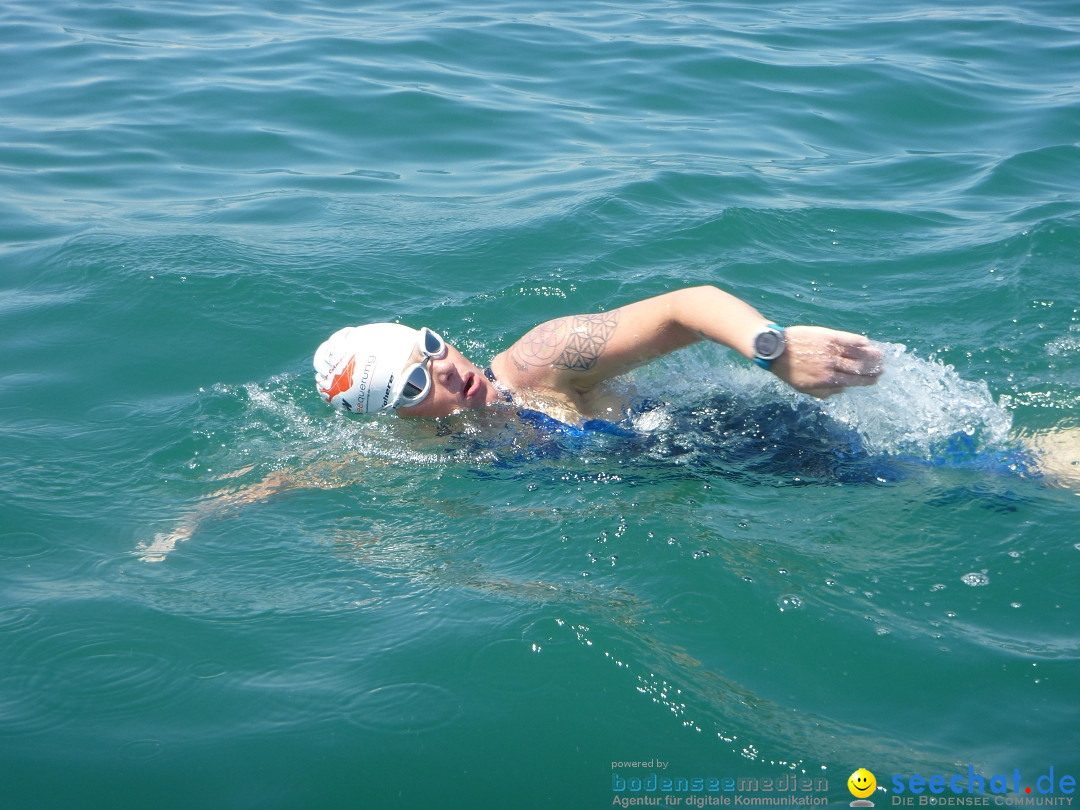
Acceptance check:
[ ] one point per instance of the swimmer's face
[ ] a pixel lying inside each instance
(456, 385)
(861, 783)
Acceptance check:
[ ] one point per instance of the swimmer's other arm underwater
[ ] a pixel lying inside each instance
(560, 366)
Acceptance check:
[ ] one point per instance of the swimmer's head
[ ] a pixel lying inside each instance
(360, 369)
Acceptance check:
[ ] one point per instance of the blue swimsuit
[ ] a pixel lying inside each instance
(544, 422)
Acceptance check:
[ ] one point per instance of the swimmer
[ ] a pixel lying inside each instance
(561, 367)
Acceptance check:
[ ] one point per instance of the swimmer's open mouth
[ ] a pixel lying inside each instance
(470, 385)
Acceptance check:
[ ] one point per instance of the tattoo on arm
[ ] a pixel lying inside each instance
(574, 343)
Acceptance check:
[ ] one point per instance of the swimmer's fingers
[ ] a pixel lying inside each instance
(864, 351)
(837, 384)
(822, 393)
(862, 371)
(852, 367)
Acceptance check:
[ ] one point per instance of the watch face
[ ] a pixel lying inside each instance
(768, 344)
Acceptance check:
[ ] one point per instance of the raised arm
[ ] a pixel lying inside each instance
(570, 356)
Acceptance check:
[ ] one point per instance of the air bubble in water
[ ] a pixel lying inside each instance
(975, 580)
(789, 602)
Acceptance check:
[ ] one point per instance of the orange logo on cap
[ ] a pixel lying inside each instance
(342, 381)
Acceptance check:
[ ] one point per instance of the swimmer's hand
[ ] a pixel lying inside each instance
(822, 362)
(163, 543)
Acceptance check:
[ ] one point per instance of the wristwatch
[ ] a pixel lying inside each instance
(769, 344)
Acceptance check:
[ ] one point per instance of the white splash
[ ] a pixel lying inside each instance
(917, 404)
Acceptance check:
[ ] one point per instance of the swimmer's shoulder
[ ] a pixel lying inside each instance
(532, 388)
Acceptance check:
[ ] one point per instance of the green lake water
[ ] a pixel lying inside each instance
(476, 613)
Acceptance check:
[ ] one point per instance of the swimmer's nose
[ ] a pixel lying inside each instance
(446, 373)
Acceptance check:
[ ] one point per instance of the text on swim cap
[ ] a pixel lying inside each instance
(365, 377)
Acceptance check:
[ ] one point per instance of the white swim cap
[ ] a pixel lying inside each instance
(359, 368)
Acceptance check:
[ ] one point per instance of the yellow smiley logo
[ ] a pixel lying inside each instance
(861, 783)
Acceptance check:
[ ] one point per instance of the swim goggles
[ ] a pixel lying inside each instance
(417, 378)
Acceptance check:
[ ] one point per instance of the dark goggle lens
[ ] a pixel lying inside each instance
(434, 346)
(416, 384)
